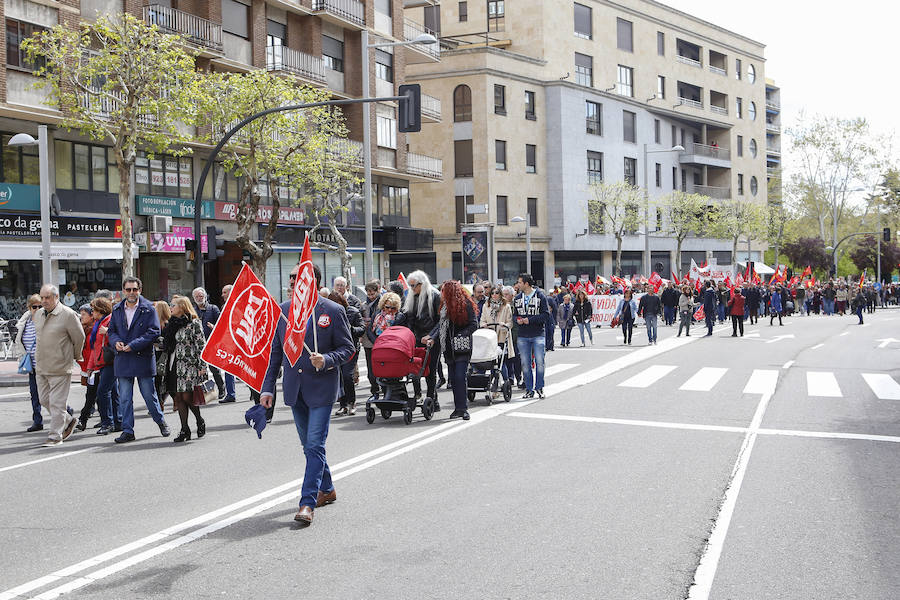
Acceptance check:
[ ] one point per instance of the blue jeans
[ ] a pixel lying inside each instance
(312, 427)
(669, 314)
(565, 335)
(549, 330)
(721, 309)
(859, 311)
(651, 321)
(106, 379)
(229, 385)
(829, 306)
(710, 321)
(528, 347)
(36, 417)
(456, 373)
(126, 401)
(581, 328)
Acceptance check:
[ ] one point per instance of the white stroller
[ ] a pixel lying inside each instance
(486, 365)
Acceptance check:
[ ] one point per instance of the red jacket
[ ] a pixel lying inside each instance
(736, 304)
(95, 361)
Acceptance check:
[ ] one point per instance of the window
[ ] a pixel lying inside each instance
(500, 154)
(16, 33)
(740, 184)
(629, 133)
(89, 167)
(333, 53)
(751, 111)
(384, 65)
(658, 175)
(660, 43)
(674, 135)
(502, 210)
(594, 167)
(624, 85)
(161, 175)
(631, 170)
(462, 158)
(499, 99)
(530, 113)
(236, 18)
(463, 12)
(584, 70)
(753, 148)
(754, 186)
(740, 145)
(394, 205)
(593, 117)
(683, 180)
(20, 164)
(660, 87)
(737, 68)
(656, 131)
(386, 127)
(624, 38)
(496, 13)
(220, 185)
(674, 178)
(583, 28)
(739, 108)
(276, 33)
(432, 16)
(383, 6)
(530, 160)
(532, 211)
(462, 215)
(462, 104)
(751, 73)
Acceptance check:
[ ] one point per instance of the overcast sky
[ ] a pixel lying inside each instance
(828, 57)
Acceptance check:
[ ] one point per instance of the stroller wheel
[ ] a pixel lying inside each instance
(471, 396)
(507, 390)
(407, 416)
(385, 413)
(370, 415)
(428, 409)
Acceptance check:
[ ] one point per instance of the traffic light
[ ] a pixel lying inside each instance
(887, 234)
(190, 247)
(832, 270)
(214, 245)
(410, 117)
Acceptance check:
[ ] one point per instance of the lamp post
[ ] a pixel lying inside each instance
(23, 139)
(425, 38)
(678, 148)
(527, 220)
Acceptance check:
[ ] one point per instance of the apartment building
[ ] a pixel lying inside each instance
(548, 97)
(314, 42)
(773, 128)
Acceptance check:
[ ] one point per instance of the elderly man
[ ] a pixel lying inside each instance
(60, 339)
(209, 316)
(478, 296)
(340, 286)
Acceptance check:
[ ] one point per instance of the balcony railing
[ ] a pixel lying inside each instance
(412, 30)
(281, 58)
(771, 171)
(346, 148)
(431, 107)
(689, 102)
(718, 70)
(425, 166)
(773, 105)
(773, 150)
(773, 127)
(103, 105)
(720, 193)
(689, 61)
(719, 110)
(386, 158)
(196, 30)
(350, 10)
(708, 151)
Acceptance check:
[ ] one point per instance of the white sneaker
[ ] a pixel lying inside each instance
(51, 443)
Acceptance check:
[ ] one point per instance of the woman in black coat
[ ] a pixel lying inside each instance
(420, 314)
(357, 328)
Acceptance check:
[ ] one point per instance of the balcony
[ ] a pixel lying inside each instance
(431, 109)
(773, 128)
(704, 154)
(772, 105)
(301, 64)
(719, 193)
(196, 30)
(689, 61)
(104, 103)
(351, 150)
(420, 53)
(385, 158)
(342, 12)
(773, 150)
(425, 166)
(719, 110)
(718, 70)
(690, 102)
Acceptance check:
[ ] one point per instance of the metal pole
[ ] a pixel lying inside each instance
(834, 227)
(367, 160)
(44, 169)
(528, 242)
(878, 237)
(646, 219)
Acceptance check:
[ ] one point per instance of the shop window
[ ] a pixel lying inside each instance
(85, 167)
(19, 163)
(164, 175)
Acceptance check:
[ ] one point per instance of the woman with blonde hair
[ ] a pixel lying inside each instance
(183, 341)
(498, 312)
(164, 312)
(26, 343)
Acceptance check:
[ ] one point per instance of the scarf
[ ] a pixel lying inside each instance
(94, 332)
(382, 321)
(445, 327)
(172, 327)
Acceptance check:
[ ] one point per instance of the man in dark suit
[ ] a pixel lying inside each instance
(311, 388)
(709, 307)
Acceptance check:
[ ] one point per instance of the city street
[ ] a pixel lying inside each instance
(762, 467)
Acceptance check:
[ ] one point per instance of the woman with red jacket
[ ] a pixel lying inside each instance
(100, 369)
(736, 310)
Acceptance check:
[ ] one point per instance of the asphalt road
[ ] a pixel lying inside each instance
(754, 468)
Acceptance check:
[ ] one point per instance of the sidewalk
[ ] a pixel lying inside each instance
(10, 377)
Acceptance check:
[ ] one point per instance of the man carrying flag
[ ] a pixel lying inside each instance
(318, 329)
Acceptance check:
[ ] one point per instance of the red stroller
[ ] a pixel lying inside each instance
(395, 361)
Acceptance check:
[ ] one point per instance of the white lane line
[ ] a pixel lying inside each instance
(45, 459)
(632, 422)
(648, 376)
(822, 383)
(883, 386)
(787, 365)
(752, 335)
(845, 333)
(761, 381)
(832, 435)
(557, 369)
(704, 380)
(817, 346)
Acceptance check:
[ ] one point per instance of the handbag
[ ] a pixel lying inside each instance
(614, 322)
(109, 355)
(26, 366)
(461, 344)
(205, 392)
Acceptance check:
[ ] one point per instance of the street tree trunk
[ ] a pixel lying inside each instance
(618, 255)
(124, 168)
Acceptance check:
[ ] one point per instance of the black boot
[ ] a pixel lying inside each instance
(184, 436)
(201, 429)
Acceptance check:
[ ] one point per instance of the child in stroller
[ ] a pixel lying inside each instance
(395, 361)
(486, 367)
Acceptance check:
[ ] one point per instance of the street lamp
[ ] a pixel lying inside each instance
(678, 148)
(425, 38)
(23, 139)
(527, 220)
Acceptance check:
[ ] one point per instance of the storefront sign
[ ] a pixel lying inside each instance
(172, 207)
(173, 242)
(17, 196)
(294, 236)
(29, 226)
(476, 256)
(227, 211)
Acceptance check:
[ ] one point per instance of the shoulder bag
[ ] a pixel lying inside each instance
(205, 392)
(26, 365)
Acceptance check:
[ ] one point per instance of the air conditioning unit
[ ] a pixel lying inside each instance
(160, 224)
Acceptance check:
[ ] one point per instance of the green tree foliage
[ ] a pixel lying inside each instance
(120, 81)
(684, 215)
(736, 219)
(614, 208)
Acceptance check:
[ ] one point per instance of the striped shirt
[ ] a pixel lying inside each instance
(29, 338)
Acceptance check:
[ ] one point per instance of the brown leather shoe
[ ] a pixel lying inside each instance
(322, 499)
(69, 428)
(304, 515)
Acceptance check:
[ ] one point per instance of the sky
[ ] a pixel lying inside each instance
(828, 57)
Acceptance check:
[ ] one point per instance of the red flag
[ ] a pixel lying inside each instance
(862, 278)
(700, 315)
(739, 280)
(806, 271)
(728, 283)
(597, 282)
(240, 342)
(591, 290)
(747, 276)
(303, 302)
(698, 287)
(402, 281)
(655, 280)
(794, 281)
(756, 278)
(675, 278)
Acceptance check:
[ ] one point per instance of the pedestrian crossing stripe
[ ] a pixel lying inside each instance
(883, 386)
(704, 380)
(822, 384)
(648, 376)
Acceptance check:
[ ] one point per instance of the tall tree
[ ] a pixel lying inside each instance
(118, 80)
(736, 219)
(864, 255)
(613, 208)
(684, 215)
(808, 251)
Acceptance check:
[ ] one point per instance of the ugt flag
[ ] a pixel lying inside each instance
(240, 342)
(303, 302)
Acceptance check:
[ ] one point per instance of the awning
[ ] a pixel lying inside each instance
(13, 250)
(761, 268)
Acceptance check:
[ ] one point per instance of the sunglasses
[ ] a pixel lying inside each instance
(132, 289)
(394, 308)
(35, 306)
(496, 293)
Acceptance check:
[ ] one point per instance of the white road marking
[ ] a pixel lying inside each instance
(762, 381)
(45, 459)
(787, 365)
(885, 342)
(883, 386)
(752, 335)
(832, 435)
(817, 346)
(822, 383)
(557, 369)
(778, 338)
(704, 379)
(648, 376)
(845, 333)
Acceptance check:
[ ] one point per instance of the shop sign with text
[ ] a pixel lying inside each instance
(174, 241)
(29, 226)
(17, 196)
(289, 215)
(171, 207)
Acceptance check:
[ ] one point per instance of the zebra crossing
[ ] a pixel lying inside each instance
(819, 384)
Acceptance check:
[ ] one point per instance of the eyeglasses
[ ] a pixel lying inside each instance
(496, 293)
(132, 289)
(393, 308)
(35, 306)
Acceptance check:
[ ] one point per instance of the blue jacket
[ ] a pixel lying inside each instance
(775, 301)
(535, 311)
(621, 307)
(709, 301)
(317, 388)
(209, 316)
(141, 361)
(552, 307)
